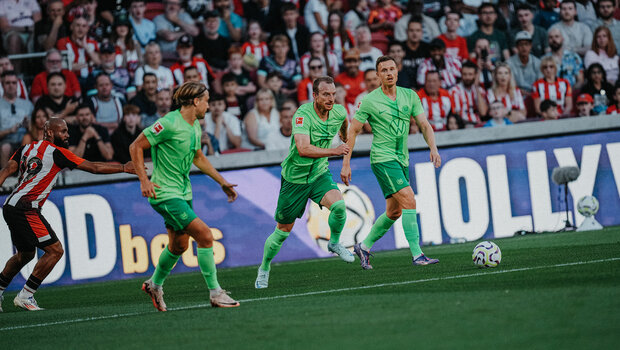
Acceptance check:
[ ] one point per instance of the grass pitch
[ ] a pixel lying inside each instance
(551, 291)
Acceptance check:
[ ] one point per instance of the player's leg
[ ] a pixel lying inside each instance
(332, 199)
(12, 267)
(273, 243)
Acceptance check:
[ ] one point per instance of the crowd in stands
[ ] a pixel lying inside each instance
(109, 68)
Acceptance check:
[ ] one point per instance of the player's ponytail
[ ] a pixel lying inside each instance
(186, 93)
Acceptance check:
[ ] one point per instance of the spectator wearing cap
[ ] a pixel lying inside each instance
(298, 34)
(456, 45)
(570, 64)
(127, 131)
(121, 80)
(606, 10)
(487, 14)
(550, 87)
(525, 66)
(614, 108)
(525, 16)
(467, 23)
(448, 66)
(499, 115)
(585, 104)
(171, 25)
(14, 114)
(17, 20)
(145, 98)
(549, 110)
(82, 50)
(224, 127)
(185, 50)
(53, 63)
(144, 30)
(437, 102)
(414, 10)
(230, 22)
(603, 52)
(128, 51)
(213, 46)
(304, 88)
(51, 27)
(152, 64)
(107, 107)
(352, 79)
(577, 36)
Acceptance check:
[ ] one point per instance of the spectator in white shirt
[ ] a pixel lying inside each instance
(152, 60)
(223, 126)
(604, 52)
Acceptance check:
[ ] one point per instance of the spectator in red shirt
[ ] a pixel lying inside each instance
(5, 66)
(436, 101)
(383, 17)
(53, 63)
(352, 79)
(448, 67)
(82, 50)
(550, 87)
(185, 51)
(455, 45)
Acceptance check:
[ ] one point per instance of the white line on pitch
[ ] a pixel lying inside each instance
(388, 284)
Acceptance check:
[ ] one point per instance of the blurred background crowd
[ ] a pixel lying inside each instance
(109, 68)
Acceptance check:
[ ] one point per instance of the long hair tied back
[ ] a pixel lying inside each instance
(187, 92)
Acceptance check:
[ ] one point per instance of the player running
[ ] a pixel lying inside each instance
(175, 143)
(39, 164)
(388, 110)
(305, 173)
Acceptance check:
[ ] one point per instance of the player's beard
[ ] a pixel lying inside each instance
(61, 143)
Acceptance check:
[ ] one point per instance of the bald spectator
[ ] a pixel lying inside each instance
(53, 64)
(570, 64)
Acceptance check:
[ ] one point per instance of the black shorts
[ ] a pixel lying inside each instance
(29, 229)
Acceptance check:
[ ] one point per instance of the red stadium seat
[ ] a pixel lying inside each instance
(380, 41)
(153, 9)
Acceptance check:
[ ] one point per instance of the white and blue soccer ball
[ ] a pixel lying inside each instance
(587, 206)
(487, 254)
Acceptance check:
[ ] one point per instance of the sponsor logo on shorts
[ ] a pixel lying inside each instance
(157, 128)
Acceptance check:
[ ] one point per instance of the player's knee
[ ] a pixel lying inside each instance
(393, 214)
(205, 238)
(25, 257)
(339, 210)
(56, 252)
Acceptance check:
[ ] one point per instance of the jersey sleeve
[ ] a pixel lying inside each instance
(159, 132)
(66, 159)
(301, 123)
(416, 104)
(18, 154)
(363, 110)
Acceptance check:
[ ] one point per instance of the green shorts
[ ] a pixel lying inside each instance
(177, 213)
(392, 176)
(294, 197)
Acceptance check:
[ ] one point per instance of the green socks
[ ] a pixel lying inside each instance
(206, 262)
(337, 219)
(166, 263)
(272, 247)
(410, 226)
(381, 226)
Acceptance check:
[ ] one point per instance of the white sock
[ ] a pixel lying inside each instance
(417, 256)
(214, 292)
(25, 294)
(364, 247)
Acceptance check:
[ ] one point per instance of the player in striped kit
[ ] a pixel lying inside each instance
(436, 101)
(448, 66)
(38, 164)
(470, 100)
(553, 88)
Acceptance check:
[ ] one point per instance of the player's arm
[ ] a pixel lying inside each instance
(429, 136)
(305, 149)
(343, 130)
(202, 163)
(136, 151)
(106, 168)
(9, 169)
(354, 130)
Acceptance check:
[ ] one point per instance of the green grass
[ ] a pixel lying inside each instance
(528, 301)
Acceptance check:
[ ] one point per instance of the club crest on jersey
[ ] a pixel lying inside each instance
(157, 128)
(34, 165)
(299, 121)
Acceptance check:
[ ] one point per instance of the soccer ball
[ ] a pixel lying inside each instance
(487, 254)
(587, 206)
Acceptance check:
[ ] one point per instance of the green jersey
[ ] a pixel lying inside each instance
(303, 170)
(174, 143)
(390, 122)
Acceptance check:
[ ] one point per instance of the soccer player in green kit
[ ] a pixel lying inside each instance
(174, 141)
(388, 110)
(305, 173)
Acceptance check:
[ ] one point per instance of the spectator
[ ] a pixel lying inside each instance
(416, 50)
(357, 14)
(454, 122)
(144, 30)
(430, 29)
(606, 10)
(274, 83)
(547, 16)
(498, 49)
(127, 49)
(505, 90)
(230, 22)
(89, 140)
(14, 113)
(173, 24)
(261, 121)
(163, 103)
(525, 14)
(368, 53)
(191, 74)
(56, 103)
(549, 110)
(524, 65)
(372, 82)
(53, 64)
(278, 61)
(152, 64)
(603, 52)
(266, 12)
(298, 34)
(245, 84)
(550, 87)
(127, 131)
(352, 79)
(119, 76)
(456, 46)
(383, 18)
(436, 101)
(17, 21)
(5, 66)
(255, 47)
(586, 12)
(224, 127)
(569, 63)
(506, 15)
(107, 108)
(498, 113)
(98, 26)
(185, 50)
(81, 49)
(485, 64)
(598, 87)
(145, 98)
(304, 88)
(213, 47)
(406, 77)
(235, 104)
(38, 118)
(318, 49)
(448, 67)
(338, 38)
(613, 108)
(578, 36)
(315, 15)
(467, 23)
(51, 27)
(282, 138)
(468, 96)
(585, 103)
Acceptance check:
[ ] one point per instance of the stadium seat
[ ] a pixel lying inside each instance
(380, 41)
(153, 9)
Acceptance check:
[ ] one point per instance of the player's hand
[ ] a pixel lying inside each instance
(228, 188)
(342, 150)
(435, 159)
(345, 174)
(148, 189)
(129, 168)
